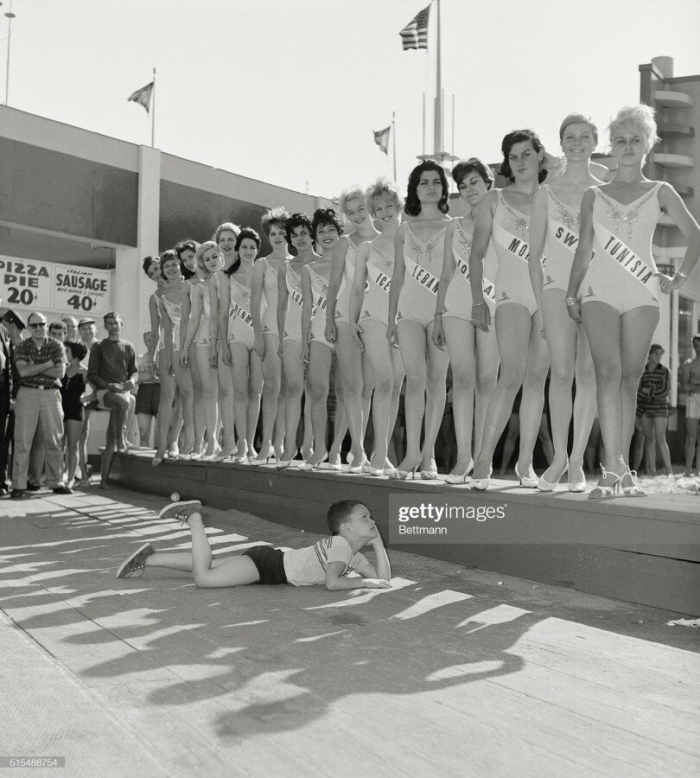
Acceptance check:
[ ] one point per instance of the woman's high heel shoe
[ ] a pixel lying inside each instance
(402, 475)
(602, 491)
(529, 481)
(548, 486)
(459, 478)
(283, 464)
(633, 490)
(359, 467)
(264, 456)
(431, 474)
(481, 484)
(314, 465)
(577, 486)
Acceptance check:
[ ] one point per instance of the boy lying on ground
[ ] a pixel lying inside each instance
(327, 562)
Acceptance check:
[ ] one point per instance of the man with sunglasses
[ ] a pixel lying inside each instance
(41, 363)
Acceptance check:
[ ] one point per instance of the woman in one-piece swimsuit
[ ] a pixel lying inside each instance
(473, 352)
(615, 286)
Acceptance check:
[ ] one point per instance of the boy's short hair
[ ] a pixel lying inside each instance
(339, 513)
(112, 315)
(58, 325)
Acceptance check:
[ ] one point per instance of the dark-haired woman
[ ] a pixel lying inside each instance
(186, 251)
(353, 206)
(225, 238)
(504, 220)
(73, 385)
(473, 352)
(316, 351)
(264, 310)
(171, 313)
(240, 355)
(419, 253)
(369, 314)
(299, 231)
(556, 221)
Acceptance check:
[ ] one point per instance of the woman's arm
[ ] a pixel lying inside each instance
(306, 311)
(357, 293)
(483, 225)
(195, 317)
(448, 273)
(397, 280)
(256, 290)
(213, 290)
(337, 268)
(538, 235)
(224, 305)
(672, 204)
(154, 310)
(167, 336)
(186, 307)
(582, 258)
(282, 300)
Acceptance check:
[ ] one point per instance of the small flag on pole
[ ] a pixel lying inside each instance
(381, 138)
(415, 34)
(143, 96)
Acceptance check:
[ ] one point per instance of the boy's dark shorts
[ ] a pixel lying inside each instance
(148, 399)
(270, 564)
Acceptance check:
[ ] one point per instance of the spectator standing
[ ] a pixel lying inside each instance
(58, 331)
(71, 327)
(87, 330)
(112, 371)
(652, 409)
(73, 387)
(13, 326)
(5, 400)
(148, 396)
(690, 385)
(41, 364)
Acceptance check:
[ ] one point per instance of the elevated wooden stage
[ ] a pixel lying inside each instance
(663, 572)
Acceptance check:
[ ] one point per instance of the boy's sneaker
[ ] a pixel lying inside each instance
(181, 510)
(136, 562)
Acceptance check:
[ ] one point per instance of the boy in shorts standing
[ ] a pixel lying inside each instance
(327, 562)
(690, 385)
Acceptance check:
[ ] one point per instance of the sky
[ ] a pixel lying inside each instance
(289, 91)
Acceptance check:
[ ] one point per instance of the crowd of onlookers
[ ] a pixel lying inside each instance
(52, 375)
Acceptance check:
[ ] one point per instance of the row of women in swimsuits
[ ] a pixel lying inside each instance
(570, 261)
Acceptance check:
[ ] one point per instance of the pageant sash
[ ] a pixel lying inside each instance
(422, 276)
(617, 250)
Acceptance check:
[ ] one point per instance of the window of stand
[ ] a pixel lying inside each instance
(688, 325)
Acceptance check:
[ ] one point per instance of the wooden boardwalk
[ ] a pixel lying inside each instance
(453, 672)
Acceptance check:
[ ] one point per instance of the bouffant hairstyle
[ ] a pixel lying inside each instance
(350, 193)
(274, 217)
(339, 513)
(639, 117)
(226, 227)
(579, 118)
(247, 232)
(324, 216)
(383, 186)
(294, 221)
(519, 136)
(201, 251)
(472, 165)
(168, 256)
(413, 205)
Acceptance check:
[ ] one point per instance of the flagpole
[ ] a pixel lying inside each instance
(437, 140)
(393, 138)
(153, 112)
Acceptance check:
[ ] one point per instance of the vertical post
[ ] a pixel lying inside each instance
(10, 17)
(424, 123)
(453, 124)
(153, 112)
(393, 138)
(438, 85)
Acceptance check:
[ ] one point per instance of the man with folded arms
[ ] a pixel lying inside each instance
(41, 364)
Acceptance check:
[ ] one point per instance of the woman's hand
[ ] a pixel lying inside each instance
(304, 356)
(213, 356)
(392, 335)
(259, 346)
(574, 311)
(670, 283)
(226, 354)
(330, 331)
(184, 358)
(481, 316)
(357, 333)
(438, 332)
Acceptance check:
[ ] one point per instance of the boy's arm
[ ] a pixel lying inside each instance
(335, 579)
(383, 568)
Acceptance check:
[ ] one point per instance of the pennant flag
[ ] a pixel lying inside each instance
(415, 34)
(381, 138)
(143, 96)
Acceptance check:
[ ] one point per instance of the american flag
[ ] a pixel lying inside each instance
(415, 34)
(143, 96)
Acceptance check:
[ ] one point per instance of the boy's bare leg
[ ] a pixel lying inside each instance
(179, 560)
(237, 571)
